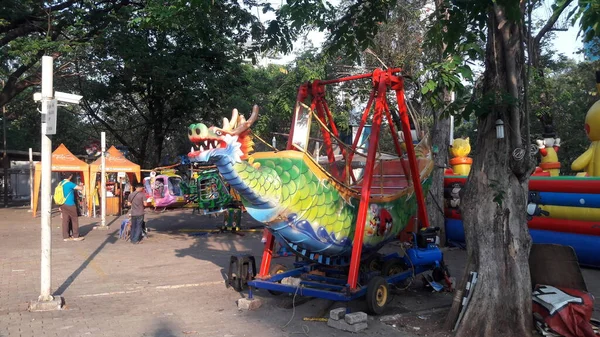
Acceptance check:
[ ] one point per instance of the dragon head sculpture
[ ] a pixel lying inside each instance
(233, 139)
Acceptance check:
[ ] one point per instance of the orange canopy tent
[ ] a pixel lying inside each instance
(115, 162)
(62, 161)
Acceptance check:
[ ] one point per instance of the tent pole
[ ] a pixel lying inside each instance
(103, 181)
(31, 168)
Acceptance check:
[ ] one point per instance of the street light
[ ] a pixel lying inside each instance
(46, 301)
(4, 154)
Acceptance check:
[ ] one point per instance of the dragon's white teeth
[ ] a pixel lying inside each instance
(192, 149)
(205, 143)
(201, 148)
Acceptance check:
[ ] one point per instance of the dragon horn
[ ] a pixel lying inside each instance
(234, 119)
(243, 126)
(226, 125)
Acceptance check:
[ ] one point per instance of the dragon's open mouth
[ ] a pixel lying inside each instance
(201, 145)
(208, 139)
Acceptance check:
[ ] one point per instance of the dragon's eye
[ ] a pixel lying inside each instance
(190, 132)
(219, 133)
(197, 131)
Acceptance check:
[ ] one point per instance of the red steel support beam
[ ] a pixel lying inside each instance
(265, 263)
(365, 194)
(363, 122)
(398, 86)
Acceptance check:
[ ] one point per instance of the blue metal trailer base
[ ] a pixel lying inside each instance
(326, 282)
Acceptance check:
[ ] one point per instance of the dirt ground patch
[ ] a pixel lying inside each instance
(428, 323)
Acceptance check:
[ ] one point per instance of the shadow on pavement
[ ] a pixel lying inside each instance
(209, 244)
(84, 230)
(165, 329)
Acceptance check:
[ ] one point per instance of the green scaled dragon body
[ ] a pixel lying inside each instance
(301, 204)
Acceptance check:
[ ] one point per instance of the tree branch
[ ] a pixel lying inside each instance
(92, 113)
(550, 23)
(510, 36)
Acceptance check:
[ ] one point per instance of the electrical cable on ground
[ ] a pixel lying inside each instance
(305, 329)
(412, 267)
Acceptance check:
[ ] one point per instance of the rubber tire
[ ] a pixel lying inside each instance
(276, 269)
(393, 266)
(374, 263)
(378, 293)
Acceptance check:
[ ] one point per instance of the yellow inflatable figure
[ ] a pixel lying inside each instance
(460, 149)
(549, 149)
(589, 161)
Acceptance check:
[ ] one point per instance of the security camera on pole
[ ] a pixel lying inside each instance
(49, 102)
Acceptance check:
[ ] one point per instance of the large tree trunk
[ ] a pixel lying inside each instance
(495, 197)
(440, 136)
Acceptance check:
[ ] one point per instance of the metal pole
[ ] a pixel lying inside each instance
(103, 180)
(451, 140)
(31, 169)
(46, 214)
(5, 156)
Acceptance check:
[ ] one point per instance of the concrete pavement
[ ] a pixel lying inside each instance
(171, 285)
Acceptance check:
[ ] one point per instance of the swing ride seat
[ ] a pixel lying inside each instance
(389, 177)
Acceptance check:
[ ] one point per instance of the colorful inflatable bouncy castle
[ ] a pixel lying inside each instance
(561, 210)
(549, 149)
(589, 161)
(460, 149)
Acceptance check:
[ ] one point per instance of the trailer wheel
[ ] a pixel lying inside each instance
(393, 266)
(377, 295)
(374, 263)
(277, 269)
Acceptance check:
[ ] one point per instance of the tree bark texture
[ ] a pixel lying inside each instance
(494, 200)
(440, 137)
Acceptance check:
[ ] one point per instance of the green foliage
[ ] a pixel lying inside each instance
(456, 36)
(352, 27)
(571, 88)
(588, 12)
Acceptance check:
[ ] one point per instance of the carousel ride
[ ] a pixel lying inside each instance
(163, 189)
(334, 211)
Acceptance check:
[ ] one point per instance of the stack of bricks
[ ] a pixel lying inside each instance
(353, 322)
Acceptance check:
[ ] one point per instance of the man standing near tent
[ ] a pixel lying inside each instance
(136, 201)
(68, 210)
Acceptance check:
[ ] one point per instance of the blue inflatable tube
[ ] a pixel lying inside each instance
(587, 247)
(565, 199)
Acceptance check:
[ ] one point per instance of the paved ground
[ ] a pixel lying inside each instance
(171, 285)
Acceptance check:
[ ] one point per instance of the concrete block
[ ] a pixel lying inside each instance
(343, 325)
(337, 314)
(292, 281)
(54, 304)
(248, 303)
(356, 317)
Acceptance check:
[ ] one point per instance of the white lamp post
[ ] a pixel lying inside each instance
(49, 100)
(499, 129)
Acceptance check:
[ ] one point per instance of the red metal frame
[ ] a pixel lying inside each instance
(382, 80)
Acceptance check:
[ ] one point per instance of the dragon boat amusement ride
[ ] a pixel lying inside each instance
(334, 212)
